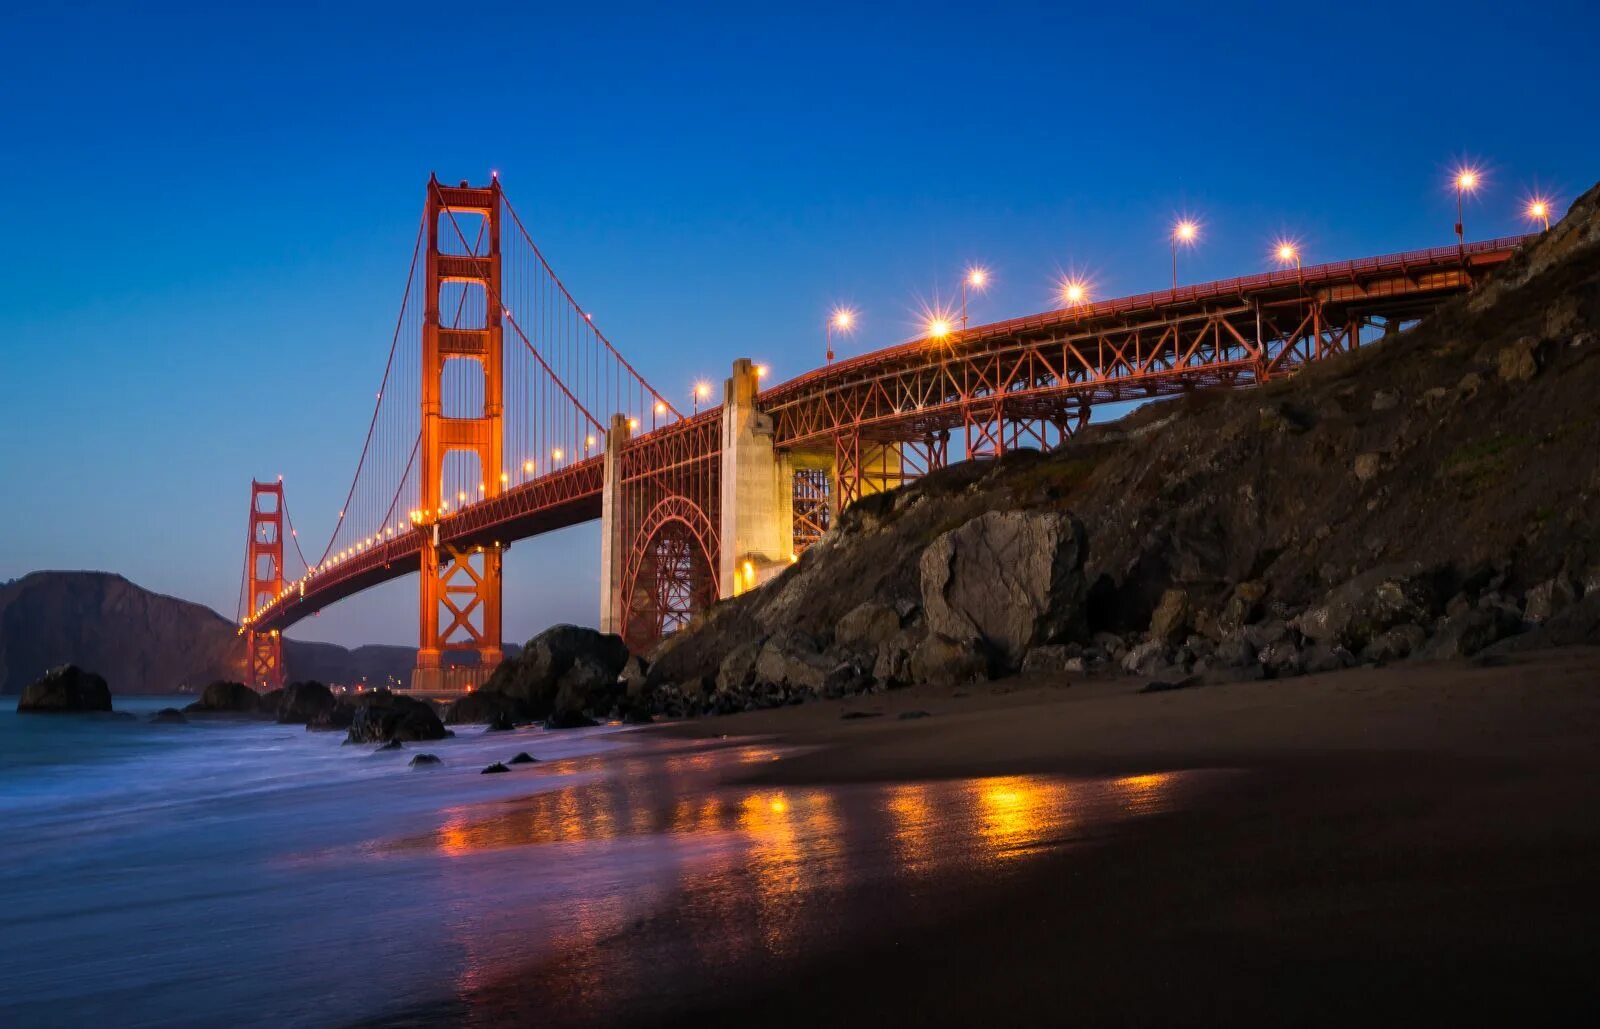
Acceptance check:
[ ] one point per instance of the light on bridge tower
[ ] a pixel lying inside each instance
(460, 588)
(264, 572)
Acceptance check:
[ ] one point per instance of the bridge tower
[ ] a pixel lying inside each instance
(264, 572)
(460, 589)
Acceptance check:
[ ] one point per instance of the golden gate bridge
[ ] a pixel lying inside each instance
(504, 412)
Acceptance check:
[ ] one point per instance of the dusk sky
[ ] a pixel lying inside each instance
(211, 211)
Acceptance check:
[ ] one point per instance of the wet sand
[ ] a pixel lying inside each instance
(1409, 843)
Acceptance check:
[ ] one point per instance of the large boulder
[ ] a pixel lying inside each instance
(587, 686)
(1374, 601)
(303, 702)
(1012, 580)
(64, 689)
(481, 706)
(534, 679)
(384, 717)
(222, 697)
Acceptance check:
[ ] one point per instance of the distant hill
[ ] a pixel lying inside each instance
(145, 642)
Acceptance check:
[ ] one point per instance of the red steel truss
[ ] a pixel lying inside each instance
(891, 415)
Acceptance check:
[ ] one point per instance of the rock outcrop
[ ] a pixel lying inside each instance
(566, 677)
(1007, 581)
(385, 717)
(64, 690)
(304, 702)
(222, 697)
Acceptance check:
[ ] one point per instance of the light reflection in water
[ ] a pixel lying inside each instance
(748, 873)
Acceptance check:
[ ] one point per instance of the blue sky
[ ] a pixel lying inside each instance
(210, 211)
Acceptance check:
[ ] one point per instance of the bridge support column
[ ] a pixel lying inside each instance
(460, 583)
(264, 555)
(757, 532)
(613, 548)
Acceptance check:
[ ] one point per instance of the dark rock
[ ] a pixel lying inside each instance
(906, 716)
(1518, 362)
(793, 659)
(867, 626)
(1170, 622)
(391, 745)
(67, 688)
(500, 722)
(635, 676)
(946, 662)
(1324, 657)
(304, 701)
(892, 664)
(227, 697)
(636, 715)
(494, 769)
(425, 761)
(1353, 613)
(523, 758)
(169, 716)
(1053, 659)
(1147, 657)
(850, 715)
(1550, 597)
(569, 720)
(1465, 634)
(535, 678)
(587, 686)
(481, 706)
(1011, 579)
(1281, 659)
(1395, 644)
(337, 718)
(267, 704)
(383, 717)
(738, 668)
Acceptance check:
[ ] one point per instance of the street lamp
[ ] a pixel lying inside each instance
(1538, 210)
(1074, 292)
(976, 278)
(1467, 181)
(1287, 252)
(842, 319)
(939, 328)
(702, 391)
(1186, 232)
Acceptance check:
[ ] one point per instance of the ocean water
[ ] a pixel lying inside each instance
(247, 873)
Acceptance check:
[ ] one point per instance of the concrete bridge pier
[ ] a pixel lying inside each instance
(613, 548)
(756, 537)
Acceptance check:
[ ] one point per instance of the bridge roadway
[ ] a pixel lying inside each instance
(1048, 367)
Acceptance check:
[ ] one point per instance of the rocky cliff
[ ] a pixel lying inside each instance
(1428, 496)
(145, 642)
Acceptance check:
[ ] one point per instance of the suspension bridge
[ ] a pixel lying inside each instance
(504, 412)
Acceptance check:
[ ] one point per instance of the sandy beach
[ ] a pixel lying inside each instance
(1416, 843)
